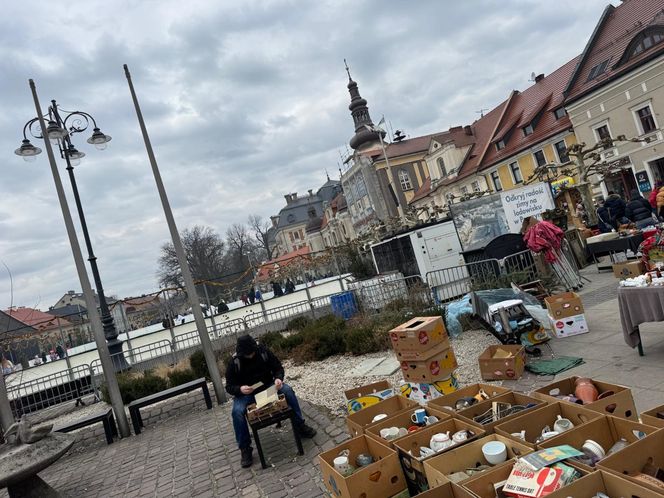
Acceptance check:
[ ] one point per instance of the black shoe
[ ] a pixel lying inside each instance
(247, 457)
(305, 431)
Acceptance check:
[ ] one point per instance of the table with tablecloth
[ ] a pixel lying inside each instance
(639, 305)
(612, 246)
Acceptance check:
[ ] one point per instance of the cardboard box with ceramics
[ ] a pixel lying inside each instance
(512, 398)
(628, 269)
(409, 449)
(605, 431)
(414, 339)
(383, 477)
(631, 461)
(649, 417)
(618, 404)
(563, 305)
(534, 421)
(466, 457)
(361, 397)
(357, 422)
(447, 490)
(439, 365)
(423, 392)
(603, 482)
(472, 391)
(403, 419)
(569, 326)
(503, 362)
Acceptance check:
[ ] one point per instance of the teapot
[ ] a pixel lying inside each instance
(440, 441)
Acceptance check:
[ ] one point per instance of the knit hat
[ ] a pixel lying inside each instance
(245, 345)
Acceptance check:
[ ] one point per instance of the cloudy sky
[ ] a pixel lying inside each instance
(244, 101)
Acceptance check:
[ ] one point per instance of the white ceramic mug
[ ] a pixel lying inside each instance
(521, 435)
(342, 466)
(562, 424)
(494, 452)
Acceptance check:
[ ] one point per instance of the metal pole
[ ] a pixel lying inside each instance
(6, 415)
(93, 315)
(390, 176)
(207, 298)
(206, 344)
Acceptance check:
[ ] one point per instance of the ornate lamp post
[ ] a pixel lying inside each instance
(59, 131)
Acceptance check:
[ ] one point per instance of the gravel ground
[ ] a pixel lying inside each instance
(324, 382)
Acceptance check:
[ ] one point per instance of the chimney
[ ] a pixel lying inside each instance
(468, 130)
(288, 198)
(311, 192)
(71, 292)
(539, 77)
(275, 221)
(294, 196)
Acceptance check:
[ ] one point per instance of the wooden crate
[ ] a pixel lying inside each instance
(268, 411)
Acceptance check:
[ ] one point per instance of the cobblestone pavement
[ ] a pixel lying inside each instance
(187, 450)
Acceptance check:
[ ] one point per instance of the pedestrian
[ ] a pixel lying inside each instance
(245, 299)
(581, 213)
(252, 295)
(222, 307)
(652, 198)
(290, 286)
(603, 217)
(276, 288)
(259, 296)
(254, 364)
(639, 210)
(616, 206)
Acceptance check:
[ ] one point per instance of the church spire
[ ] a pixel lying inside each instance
(365, 131)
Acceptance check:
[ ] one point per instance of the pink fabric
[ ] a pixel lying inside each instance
(547, 237)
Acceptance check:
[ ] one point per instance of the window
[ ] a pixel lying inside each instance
(404, 179)
(646, 119)
(297, 235)
(291, 218)
(500, 145)
(516, 172)
(464, 190)
(647, 42)
(361, 187)
(560, 112)
(441, 166)
(602, 133)
(540, 158)
(598, 69)
(496, 181)
(528, 130)
(561, 150)
(475, 186)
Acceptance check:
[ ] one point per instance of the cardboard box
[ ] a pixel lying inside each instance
(414, 339)
(447, 490)
(439, 365)
(357, 422)
(361, 397)
(496, 366)
(535, 420)
(619, 404)
(384, 477)
(423, 392)
(629, 269)
(409, 450)
(563, 305)
(605, 431)
(632, 459)
(569, 326)
(512, 398)
(403, 419)
(468, 456)
(447, 402)
(612, 485)
(649, 417)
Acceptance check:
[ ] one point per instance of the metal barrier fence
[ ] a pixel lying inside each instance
(409, 292)
(452, 283)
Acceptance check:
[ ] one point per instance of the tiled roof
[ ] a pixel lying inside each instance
(615, 30)
(406, 147)
(35, 318)
(423, 191)
(541, 98)
(266, 269)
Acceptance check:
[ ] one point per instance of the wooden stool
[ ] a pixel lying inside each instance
(273, 419)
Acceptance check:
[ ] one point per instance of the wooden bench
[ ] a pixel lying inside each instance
(136, 405)
(105, 417)
(276, 418)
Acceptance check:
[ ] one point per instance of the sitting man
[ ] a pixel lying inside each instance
(251, 364)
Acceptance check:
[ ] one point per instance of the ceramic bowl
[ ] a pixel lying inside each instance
(494, 452)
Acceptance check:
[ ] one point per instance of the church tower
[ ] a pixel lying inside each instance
(366, 134)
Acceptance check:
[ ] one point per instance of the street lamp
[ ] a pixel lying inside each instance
(59, 131)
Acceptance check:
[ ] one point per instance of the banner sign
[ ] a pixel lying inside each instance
(522, 202)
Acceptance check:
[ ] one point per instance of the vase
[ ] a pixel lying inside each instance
(586, 390)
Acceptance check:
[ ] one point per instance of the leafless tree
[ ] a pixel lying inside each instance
(261, 230)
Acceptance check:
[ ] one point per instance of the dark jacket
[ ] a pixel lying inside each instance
(616, 206)
(604, 220)
(247, 371)
(638, 208)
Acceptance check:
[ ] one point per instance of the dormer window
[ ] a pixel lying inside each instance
(598, 70)
(645, 40)
(500, 144)
(560, 112)
(528, 130)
